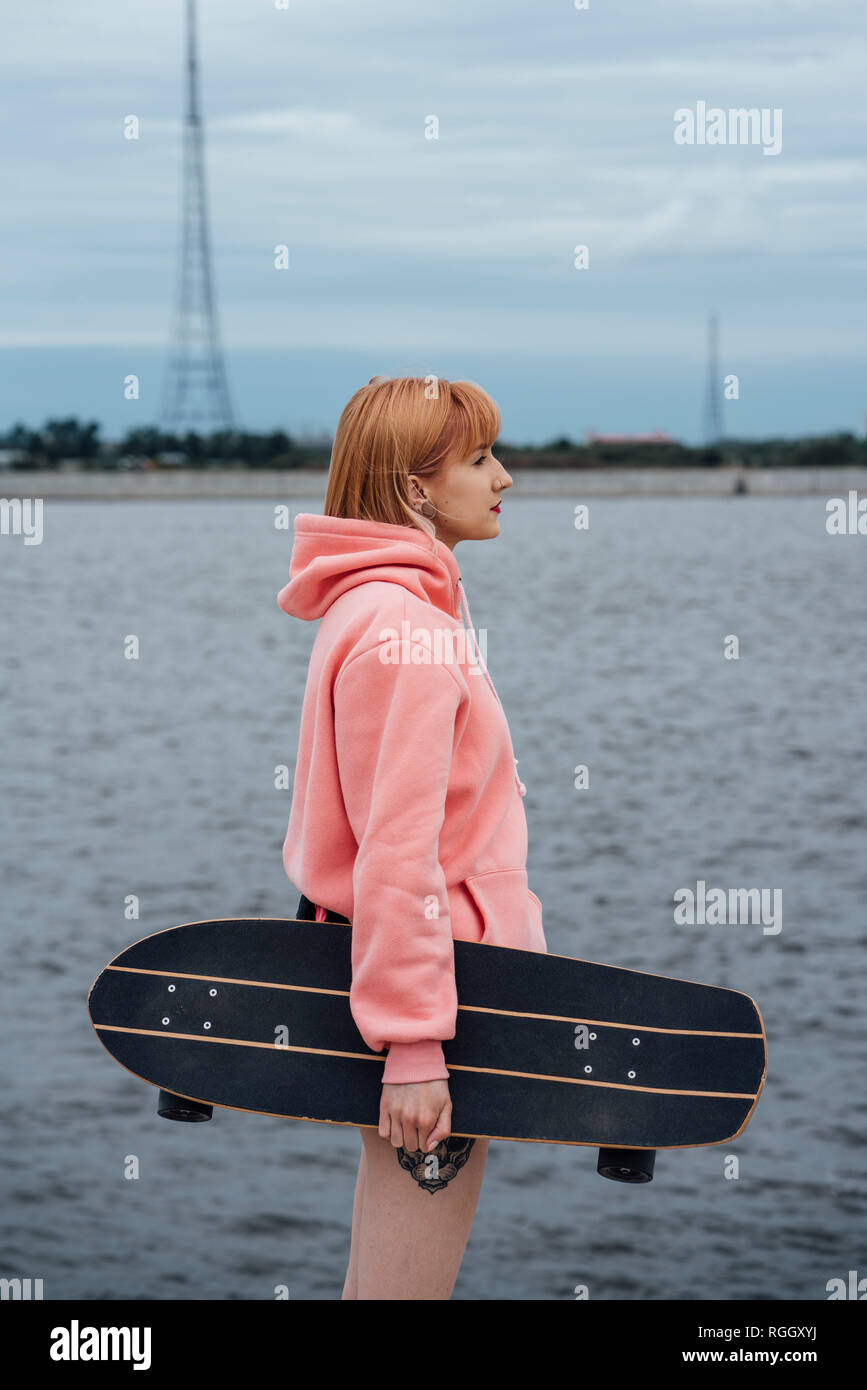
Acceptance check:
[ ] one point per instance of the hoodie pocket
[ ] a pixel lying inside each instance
(511, 913)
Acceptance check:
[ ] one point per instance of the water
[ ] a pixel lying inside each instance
(155, 778)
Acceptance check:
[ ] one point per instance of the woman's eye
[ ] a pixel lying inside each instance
(481, 460)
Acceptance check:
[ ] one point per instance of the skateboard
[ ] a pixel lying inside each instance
(253, 1014)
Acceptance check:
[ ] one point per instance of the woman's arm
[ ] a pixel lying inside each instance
(394, 730)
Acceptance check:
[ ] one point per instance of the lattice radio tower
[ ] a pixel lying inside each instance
(713, 426)
(196, 393)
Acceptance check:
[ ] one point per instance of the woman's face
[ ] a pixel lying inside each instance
(464, 494)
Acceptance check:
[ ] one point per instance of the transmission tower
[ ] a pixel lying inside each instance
(196, 393)
(713, 427)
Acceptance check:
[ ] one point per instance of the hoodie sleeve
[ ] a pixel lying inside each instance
(394, 731)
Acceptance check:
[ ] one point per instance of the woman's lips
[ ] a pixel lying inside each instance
(496, 508)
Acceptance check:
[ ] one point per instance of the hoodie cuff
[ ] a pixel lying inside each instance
(417, 1061)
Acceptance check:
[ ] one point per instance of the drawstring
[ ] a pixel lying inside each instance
(466, 610)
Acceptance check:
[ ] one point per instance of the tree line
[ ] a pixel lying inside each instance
(74, 442)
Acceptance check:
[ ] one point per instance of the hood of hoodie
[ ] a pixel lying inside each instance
(334, 553)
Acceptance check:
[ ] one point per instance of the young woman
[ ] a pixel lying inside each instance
(406, 817)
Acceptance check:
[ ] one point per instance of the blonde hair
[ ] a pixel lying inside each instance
(396, 426)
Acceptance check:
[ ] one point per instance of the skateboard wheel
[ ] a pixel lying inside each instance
(173, 1107)
(626, 1165)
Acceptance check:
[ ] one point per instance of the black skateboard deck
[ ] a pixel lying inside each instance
(254, 1015)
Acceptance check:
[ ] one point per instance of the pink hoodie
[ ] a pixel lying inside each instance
(406, 810)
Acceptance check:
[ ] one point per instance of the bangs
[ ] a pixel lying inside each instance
(473, 422)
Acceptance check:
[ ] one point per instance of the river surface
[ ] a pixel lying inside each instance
(155, 778)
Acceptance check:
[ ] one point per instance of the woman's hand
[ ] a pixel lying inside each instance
(415, 1114)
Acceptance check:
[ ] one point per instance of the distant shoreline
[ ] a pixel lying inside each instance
(287, 485)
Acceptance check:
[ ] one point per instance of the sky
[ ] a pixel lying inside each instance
(452, 256)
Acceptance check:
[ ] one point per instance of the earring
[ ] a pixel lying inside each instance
(424, 508)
